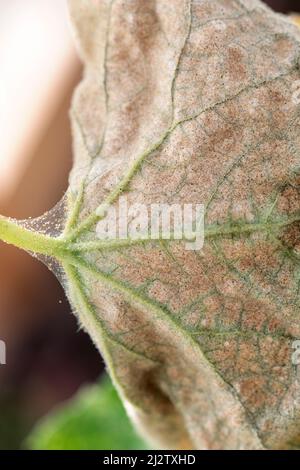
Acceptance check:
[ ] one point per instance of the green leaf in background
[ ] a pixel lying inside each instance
(95, 419)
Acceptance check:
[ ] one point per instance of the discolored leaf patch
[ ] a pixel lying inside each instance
(190, 101)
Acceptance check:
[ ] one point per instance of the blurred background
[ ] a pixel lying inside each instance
(48, 359)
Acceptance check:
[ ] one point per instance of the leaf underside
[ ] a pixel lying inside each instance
(191, 101)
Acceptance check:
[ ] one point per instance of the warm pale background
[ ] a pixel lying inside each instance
(48, 360)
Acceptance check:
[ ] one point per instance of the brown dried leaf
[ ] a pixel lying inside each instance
(194, 101)
(191, 101)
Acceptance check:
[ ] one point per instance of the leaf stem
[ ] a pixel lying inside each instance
(14, 234)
